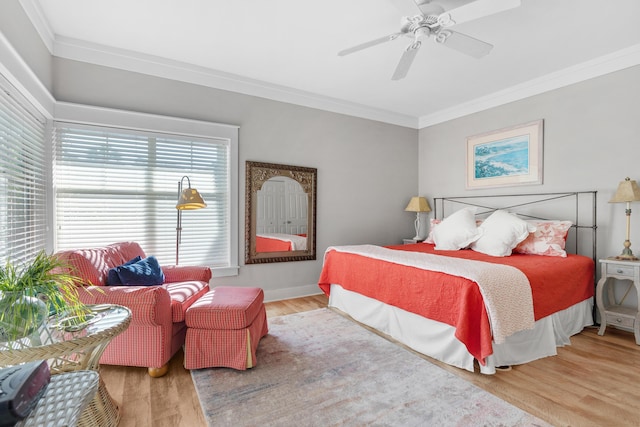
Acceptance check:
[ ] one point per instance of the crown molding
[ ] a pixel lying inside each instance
(175, 70)
(166, 68)
(161, 67)
(606, 64)
(22, 77)
(34, 13)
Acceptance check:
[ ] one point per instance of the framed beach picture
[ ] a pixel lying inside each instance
(506, 157)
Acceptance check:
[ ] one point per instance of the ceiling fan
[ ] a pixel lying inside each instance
(425, 18)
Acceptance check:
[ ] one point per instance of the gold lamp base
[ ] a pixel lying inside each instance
(627, 254)
(627, 258)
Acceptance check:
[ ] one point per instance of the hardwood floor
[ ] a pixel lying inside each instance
(171, 400)
(593, 382)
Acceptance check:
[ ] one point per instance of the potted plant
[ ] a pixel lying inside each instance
(30, 293)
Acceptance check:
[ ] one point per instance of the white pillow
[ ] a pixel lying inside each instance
(457, 231)
(434, 223)
(501, 232)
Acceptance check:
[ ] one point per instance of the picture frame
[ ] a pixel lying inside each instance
(506, 157)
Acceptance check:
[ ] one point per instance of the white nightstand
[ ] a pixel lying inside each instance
(410, 241)
(612, 312)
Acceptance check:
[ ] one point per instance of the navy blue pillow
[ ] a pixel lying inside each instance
(112, 274)
(146, 272)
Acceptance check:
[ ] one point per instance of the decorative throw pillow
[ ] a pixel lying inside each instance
(433, 223)
(549, 239)
(146, 272)
(112, 274)
(501, 232)
(457, 231)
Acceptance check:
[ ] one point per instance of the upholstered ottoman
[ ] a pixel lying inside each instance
(224, 327)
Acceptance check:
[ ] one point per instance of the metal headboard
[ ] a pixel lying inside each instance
(580, 207)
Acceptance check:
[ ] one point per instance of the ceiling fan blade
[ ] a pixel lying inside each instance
(405, 61)
(463, 43)
(407, 7)
(368, 44)
(475, 10)
(430, 8)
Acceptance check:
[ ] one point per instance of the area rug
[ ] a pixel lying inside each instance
(318, 368)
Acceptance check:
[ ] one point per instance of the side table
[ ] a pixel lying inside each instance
(611, 311)
(73, 350)
(66, 396)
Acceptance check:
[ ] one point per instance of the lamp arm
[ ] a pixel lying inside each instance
(179, 221)
(180, 186)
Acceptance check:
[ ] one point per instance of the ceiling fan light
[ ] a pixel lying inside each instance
(422, 32)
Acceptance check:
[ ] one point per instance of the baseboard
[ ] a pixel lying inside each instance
(288, 293)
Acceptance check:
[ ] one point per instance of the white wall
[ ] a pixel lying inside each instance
(591, 142)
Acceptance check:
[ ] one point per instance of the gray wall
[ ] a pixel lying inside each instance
(17, 28)
(591, 142)
(367, 170)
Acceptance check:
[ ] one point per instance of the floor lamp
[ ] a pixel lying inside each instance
(188, 199)
(627, 192)
(417, 205)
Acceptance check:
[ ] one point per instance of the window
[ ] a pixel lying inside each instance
(121, 184)
(23, 174)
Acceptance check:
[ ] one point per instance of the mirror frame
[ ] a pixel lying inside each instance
(257, 173)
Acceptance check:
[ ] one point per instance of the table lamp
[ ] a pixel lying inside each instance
(627, 192)
(188, 199)
(417, 205)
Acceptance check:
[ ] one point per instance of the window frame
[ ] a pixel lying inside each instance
(98, 116)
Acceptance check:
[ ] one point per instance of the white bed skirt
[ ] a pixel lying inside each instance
(437, 340)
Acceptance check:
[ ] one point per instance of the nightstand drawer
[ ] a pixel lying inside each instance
(618, 319)
(620, 270)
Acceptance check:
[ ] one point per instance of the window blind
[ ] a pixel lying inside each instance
(22, 177)
(116, 185)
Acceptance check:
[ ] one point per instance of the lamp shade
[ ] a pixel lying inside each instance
(627, 191)
(418, 204)
(190, 199)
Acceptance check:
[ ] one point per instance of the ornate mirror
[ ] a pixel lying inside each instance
(280, 215)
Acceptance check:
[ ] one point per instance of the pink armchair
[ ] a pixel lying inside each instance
(157, 328)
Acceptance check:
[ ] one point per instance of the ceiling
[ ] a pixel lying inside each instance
(287, 49)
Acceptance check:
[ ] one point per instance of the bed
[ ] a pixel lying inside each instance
(280, 242)
(478, 309)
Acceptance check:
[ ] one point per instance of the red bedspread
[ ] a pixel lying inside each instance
(266, 244)
(556, 284)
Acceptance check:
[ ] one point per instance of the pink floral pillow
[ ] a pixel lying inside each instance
(549, 239)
